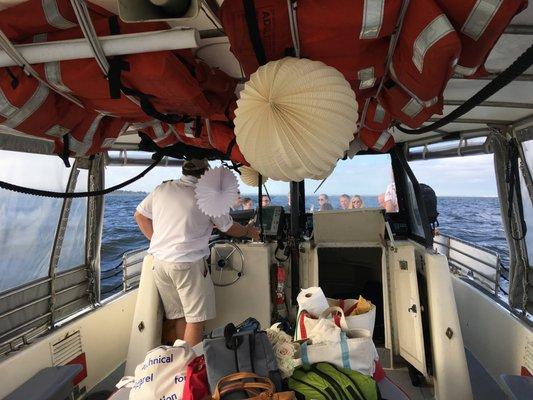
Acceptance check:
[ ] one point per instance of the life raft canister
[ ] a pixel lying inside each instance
(427, 51)
(376, 118)
(380, 141)
(83, 78)
(218, 136)
(174, 81)
(168, 78)
(26, 104)
(405, 108)
(373, 131)
(337, 35)
(92, 134)
(38, 17)
(479, 24)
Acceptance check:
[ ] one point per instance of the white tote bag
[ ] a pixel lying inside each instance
(358, 354)
(351, 325)
(162, 373)
(360, 321)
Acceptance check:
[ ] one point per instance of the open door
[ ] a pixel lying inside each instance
(407, 306)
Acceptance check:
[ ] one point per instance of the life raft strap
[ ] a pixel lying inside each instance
(253, 31)
(116, 66)
(517, 68)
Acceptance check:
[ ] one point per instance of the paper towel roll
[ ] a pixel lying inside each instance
(313, 301)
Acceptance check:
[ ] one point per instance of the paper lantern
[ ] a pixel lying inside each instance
(250, 176)
(295, 118)
(216, 191)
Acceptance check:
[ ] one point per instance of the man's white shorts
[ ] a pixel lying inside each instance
(186, 290)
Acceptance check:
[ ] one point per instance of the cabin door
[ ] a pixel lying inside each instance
(407, 307)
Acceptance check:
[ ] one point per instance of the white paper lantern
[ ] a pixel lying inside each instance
(250, 176)
(295, 118)
(216, 191)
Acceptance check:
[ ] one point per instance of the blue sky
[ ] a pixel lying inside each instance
(365, 175)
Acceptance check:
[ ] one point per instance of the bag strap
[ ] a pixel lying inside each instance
(336, 310)
(234, 382)
(252, 388)
(253, 31)
(345, 351)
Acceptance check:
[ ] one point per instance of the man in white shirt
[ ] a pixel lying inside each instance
(179, 235)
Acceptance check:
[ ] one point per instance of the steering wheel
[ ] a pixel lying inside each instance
(225, 262)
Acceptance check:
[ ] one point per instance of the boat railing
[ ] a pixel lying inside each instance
(132, 262)
(37, 307)
(479, 264)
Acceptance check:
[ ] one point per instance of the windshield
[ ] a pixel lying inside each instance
(364, 181)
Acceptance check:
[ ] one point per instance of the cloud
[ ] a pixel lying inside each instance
(459, 176)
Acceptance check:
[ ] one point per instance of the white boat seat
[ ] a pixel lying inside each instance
(53, 383)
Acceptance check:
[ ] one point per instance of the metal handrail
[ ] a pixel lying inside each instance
(126, 278)
(497, 265)
(38, 282)
(40, 299)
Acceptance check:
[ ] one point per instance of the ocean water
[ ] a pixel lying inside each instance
(474, 219)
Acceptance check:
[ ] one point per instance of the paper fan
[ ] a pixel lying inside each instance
(250, 176)
(295, 119)
(216, 191)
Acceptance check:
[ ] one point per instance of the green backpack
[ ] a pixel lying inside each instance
(323, 381)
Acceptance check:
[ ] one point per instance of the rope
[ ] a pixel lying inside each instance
(61, 195)
(517, 68)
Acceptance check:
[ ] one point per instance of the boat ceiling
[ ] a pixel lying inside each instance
(511, 107)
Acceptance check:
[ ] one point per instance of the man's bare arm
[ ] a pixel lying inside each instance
(145, 225)
(238, 230)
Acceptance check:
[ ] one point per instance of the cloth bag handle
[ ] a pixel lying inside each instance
(234, 382)
(332, 311)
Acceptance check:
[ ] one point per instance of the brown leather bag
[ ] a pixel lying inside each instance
(257, 387)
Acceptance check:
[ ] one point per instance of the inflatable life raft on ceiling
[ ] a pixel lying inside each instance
(167, 95)
(396, 55)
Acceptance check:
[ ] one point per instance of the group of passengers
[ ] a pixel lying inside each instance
(386, 200)
(346, 202)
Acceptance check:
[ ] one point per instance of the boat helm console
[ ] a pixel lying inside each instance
(273, 220)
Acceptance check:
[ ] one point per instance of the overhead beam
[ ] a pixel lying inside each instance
(524, 122)
(448, 153)
(475, 121)
(519, 30)
(491, 76)
(452, 135)
(211, 33)
(499, 104)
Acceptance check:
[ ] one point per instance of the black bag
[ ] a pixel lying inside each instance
(430, 202)
(240, 349)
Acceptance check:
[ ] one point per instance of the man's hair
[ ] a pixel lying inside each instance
(246, 200)
(325, 196)
(195, 167)
(345, 196)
